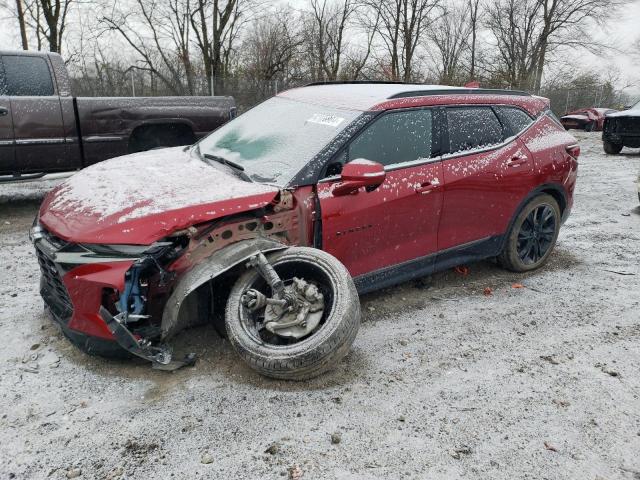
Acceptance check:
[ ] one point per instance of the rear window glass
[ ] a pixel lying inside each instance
(473, 128)
(395, 138)
(27, 76)
(518, 120)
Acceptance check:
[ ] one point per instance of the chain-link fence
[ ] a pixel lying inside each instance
(248, 91)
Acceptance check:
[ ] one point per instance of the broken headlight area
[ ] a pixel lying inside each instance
(133, 316)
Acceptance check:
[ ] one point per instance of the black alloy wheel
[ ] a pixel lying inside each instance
(537, 234)
(532, 236)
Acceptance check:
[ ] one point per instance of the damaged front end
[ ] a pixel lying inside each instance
(138, 297)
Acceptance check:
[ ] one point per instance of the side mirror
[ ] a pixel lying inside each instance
(359, 173)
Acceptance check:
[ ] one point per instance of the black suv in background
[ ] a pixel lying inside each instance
(622, 129)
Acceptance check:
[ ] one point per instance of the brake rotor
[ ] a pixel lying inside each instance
(296, 313)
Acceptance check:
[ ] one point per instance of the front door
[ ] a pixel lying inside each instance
(6, 129)
(384, 229)
(40, 143)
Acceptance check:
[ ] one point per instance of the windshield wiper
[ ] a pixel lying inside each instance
(224, 161)
(239, 169)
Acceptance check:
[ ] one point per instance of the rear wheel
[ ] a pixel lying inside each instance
(306, 336)
(612, 148)
(532, 236)
(588, 127)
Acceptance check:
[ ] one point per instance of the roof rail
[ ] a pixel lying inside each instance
(460, 91)
(422, 93)
(354, 82)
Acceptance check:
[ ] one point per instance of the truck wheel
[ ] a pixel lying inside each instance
(612, 148)
(303, 341)
(532, 236)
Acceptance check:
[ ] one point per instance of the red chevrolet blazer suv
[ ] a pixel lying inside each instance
(270, 226)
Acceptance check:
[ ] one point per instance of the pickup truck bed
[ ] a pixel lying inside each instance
(44, 129)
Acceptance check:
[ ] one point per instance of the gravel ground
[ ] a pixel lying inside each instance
(442, 382)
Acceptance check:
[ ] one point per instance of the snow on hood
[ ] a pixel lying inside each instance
(142, 197)
(632, 112)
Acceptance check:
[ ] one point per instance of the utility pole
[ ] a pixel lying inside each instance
(133, 85)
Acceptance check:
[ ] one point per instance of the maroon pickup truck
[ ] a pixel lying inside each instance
(44, 129)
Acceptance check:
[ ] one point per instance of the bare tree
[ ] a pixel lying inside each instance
(22, 24)
(450, 37)
(403, 26)
(34, 21)
(159, 33)
(55, 16)
(527, 32)
(215, 24)
(326, 35)
(271, 47)
(566, 23)
(474, 21)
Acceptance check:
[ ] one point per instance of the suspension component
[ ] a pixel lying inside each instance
(296, 307)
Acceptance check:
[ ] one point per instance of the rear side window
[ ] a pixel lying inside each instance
(27, 76)
(517, 119)
(553, 117)
(396, 137)
(472, 128)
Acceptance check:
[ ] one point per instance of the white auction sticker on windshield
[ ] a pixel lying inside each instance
(322, 119)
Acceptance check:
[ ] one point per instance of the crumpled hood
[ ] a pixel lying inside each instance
(141, 198)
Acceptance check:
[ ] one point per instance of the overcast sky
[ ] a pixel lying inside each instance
(622, 29)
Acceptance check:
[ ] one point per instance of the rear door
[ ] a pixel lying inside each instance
(398, 221)
(37, 115)
(6, 129)
(487, 172)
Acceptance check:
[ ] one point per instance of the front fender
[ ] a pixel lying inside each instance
(210, 268)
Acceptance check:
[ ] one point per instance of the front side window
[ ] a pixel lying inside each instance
(517, 119)
(27, 76)
(396, 137)
(472, 128)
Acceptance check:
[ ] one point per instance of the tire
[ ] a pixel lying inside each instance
(321, 349)
(611, 148)
(514, 256)
(588, 127)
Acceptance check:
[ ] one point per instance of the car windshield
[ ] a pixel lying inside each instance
(276, 139)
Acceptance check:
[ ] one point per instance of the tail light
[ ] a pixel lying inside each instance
(574, 151)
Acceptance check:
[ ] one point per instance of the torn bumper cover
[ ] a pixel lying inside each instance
(98, 295)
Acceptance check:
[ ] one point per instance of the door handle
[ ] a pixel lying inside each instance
(3, 111)
(428, 187)
(517, 160)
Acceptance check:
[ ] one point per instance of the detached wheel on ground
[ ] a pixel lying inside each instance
(611, 148)
(294, 314)
(532, 236)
